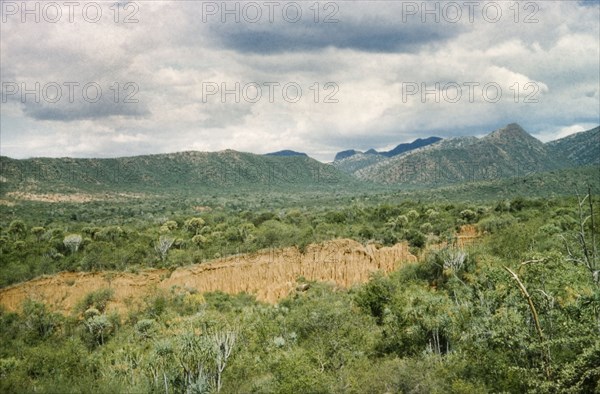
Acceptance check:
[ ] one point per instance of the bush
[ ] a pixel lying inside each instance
(98, 329)
(412, 214)
(39, 323)
(366, 232)
(17, 228)
(72, 242)
(96, 299)
(199, 240)
(145, 328)
(493, 224)
(468, 215)
(375, 296)
(416, 239)
(194, 225)
(426, 228)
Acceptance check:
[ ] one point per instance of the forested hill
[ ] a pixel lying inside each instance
(181, 171)
(507, 152)
(581, 148)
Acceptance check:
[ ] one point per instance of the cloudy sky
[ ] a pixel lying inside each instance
(106, 79)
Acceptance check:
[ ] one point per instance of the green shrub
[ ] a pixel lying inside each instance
(416, 238)
(493, 224)
(374, 296)
(39, 323)
(96, 299)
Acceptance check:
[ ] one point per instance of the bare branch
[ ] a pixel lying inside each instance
(593, 230)
(538, 327)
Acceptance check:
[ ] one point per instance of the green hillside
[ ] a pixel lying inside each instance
(184, 171)
(563, 182)
(504, 153)
(357, 162)
(580, 148)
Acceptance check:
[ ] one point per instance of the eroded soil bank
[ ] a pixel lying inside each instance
(269, 274)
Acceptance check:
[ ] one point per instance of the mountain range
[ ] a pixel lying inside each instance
(418, 143)
(286, 153)
(194, 171)
(579, 148)
(504, 153)
(508, 151)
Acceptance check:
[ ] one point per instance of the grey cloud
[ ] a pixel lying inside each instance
(362, 26)
(367, 38)
(79, 111)
(364, 35)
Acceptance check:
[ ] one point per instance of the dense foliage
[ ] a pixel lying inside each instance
(516, 311)
(89, 238)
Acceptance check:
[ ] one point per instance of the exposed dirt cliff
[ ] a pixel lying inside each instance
(269, 274)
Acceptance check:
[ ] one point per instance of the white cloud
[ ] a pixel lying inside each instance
(563, 132)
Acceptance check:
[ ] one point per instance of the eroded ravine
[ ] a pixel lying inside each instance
(269, 275)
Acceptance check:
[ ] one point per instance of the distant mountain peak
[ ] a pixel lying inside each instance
(511, 133)
(407, 147)
(510, 130)
(286, 153)
(399, 149)
(345, 154)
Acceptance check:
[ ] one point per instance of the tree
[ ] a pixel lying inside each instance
(374, 296)
(72, 242)
(398, 222)
(163, 245)
(199, 240)
(245, 231)
(110, 233)
(366, 232)
(17, 228)
(191, 354)
(99, 327)
(37, 232)
(168, 226)
(160, 360)
(412, 214)
(587, 255)
(223, 343)
(38, 321)
(426, 228)
(468, 215)
(416, 238)
(534, 314)
(194, 225)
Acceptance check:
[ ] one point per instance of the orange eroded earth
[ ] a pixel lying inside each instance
(270, 275)
(467, 235)
(72, 198)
